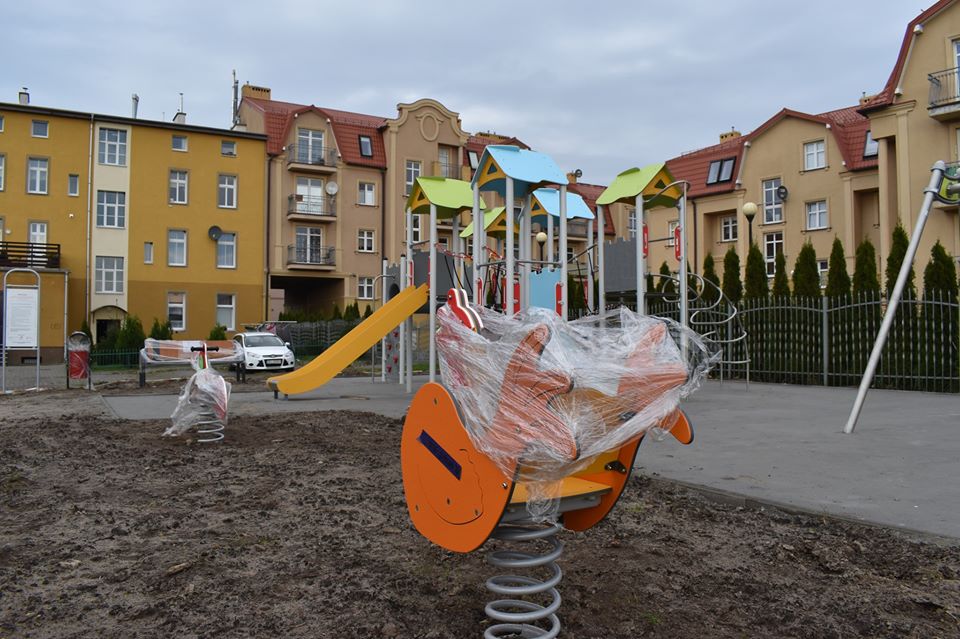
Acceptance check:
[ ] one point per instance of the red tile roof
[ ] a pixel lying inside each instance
(590, 193)
(886, 97)
(347, 129)
(695, 166)
(850, 131)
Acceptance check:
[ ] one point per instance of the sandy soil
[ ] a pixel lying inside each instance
(297, 527)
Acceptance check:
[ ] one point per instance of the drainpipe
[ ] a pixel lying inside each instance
(86, 266)
(696, 253)
(383, 215)
(66, 287)
(266, 245)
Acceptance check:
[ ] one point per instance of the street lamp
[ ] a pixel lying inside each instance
(749, 212)
(541, 240)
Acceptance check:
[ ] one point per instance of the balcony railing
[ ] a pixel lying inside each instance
(311, 255)
(446, 170)
(578, 228)
(312, 154)
(944, 93)
(29, 255)
(319, 205)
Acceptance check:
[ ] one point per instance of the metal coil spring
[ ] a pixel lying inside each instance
(513, 623)
(210, 431)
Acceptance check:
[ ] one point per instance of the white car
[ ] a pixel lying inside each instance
(265, 351)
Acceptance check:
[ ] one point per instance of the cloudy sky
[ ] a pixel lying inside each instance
(601, 86)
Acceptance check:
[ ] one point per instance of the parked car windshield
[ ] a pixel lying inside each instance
(254, 341)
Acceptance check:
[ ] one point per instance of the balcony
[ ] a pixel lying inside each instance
(944, 95)
(575, 228)
(311, 208)
(312, 157)
(29, 255)
(446, 170)
(311, 257)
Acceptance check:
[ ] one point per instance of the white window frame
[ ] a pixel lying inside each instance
(728, 228)
(3, 171)
(228, 243)
(227, 191)
(815, 155)
(474, 158)
(720, 171)
(104, 264)
(228, 148)
(367, 194)
(176, 237)
(632, 223)
(366, 241)
(871, 148)
(231, 307)
(417, 228)
(175, 139)
(46, 128)
(1, 124)
(365, 288)
(671, 227)
(38, 175)
(772, 204)
(73, 185)
(414, 169)
(818, 213)
(182, 305)
(148, 252)
(772, 241)
(175, 184)
(111, 209)
(310, 149)
(823, 268)
(112, 152)
(369, 141)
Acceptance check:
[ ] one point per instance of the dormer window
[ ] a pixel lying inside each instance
(720, 171)
(474, 159)
(870, 146)
(366, 146)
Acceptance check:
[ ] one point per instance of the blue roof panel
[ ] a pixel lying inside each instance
(550, 201)
(527, 168)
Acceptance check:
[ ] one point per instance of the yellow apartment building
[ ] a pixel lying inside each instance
(161, 220)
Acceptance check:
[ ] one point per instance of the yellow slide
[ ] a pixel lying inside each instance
(348, 348)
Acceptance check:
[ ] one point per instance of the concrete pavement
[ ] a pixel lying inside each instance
(774, 444)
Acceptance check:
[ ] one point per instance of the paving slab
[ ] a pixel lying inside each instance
(770, 443)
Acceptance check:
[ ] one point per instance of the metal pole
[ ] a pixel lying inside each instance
(684, 293)
(930, 191)
(455, 246)
(408, 276)
(432, 286)
(641, 260)
(477, 215)
(590, 253)
(402, 346)
(550, 240)
(825, 328)
(508, 213)
(383, 302)
(601, 223)
(528, 227)
(564, 293)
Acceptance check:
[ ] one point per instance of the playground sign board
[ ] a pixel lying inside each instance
(21, 310)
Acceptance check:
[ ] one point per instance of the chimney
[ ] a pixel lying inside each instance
(181, 116)
(135, 102)
(250, 91)
(572, 177)
(24, 96)
(732, 134)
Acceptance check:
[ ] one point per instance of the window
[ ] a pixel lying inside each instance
(570, 254)
(310, 146)
(416, 229)
(227, 250)
(814, 155)
(365, 241)
(772, 204)
(178, 187)
(632, 223)
(671, 227)
(1, 124)
(228, 148)
(148, 252)
(720, 171)
(177, 310)
(772, 244)
(227, 191)
(37, 169)
(3, 164)
(365, 288)
(870, 146)
(108, 273)
(474, 160)
(113, 147)
(309, 247)
(226, 310)
(366, 195)
(366, 146)
(73, 185)
(40, 129)
(468, 246)
(413, 172)
(823, 267)
(111, 209)
(176, 248)
(728, 228)
(444, 244)
(179, 143)
(816, 215)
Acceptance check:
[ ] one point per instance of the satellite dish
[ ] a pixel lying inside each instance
(215, 232)
(782, 192)
(332, 188)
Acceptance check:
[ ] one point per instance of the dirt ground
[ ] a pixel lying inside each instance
(296, 527)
